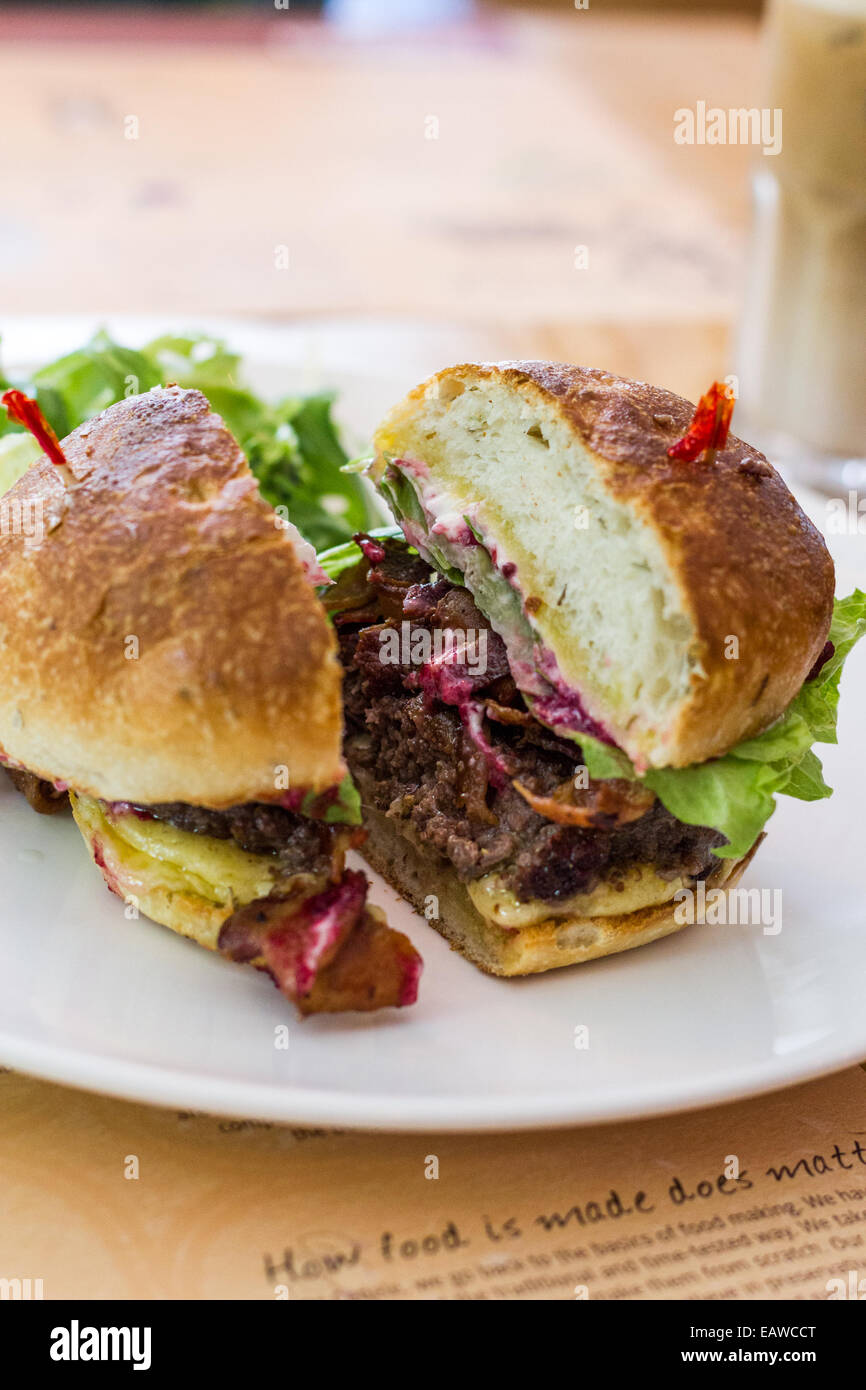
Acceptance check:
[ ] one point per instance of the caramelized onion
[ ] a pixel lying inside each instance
(613, 799)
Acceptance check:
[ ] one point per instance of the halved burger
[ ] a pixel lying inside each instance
(602, 645)
(165, 662)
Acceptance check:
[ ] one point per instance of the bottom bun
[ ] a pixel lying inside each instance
(429, 883)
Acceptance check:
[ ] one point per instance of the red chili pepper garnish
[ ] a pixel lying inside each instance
(25, 411)
(708, 430)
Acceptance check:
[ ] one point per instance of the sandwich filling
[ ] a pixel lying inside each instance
(529, 587)
(442, 740)
(260, 883)
(445, 533)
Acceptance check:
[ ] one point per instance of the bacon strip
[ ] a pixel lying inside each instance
(298, 949)
(376, 967)
(329, 953)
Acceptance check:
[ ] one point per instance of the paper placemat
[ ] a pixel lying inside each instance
(761, 1199)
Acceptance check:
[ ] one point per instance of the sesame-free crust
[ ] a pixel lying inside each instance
(161, 641)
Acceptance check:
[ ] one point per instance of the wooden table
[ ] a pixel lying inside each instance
(282, 171)
(276, 168)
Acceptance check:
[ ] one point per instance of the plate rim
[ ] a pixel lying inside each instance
(143, 1083)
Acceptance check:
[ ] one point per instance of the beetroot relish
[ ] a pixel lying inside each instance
(129, 808)
(370, 548)
(412, 967)
(560, 711)
(824, 656)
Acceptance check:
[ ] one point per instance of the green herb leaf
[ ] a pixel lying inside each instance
(292, 444)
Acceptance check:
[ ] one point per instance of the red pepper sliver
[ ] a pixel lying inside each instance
(25, 411)
(708, 430)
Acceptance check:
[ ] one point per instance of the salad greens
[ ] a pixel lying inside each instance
(292, 444)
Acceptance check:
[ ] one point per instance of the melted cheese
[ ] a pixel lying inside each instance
(640, 887)
(149, 854)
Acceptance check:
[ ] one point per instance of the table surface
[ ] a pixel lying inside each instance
(285, 170)
(106, 1199)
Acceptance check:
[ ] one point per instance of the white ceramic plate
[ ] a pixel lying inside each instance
(89, 998)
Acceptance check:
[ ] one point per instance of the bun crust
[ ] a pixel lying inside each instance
(736, 556)
(161, 641)
(530, 950)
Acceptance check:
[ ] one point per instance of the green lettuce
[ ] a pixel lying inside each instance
(17, 452)
(736, 794)
(292, 444)
(346, 809)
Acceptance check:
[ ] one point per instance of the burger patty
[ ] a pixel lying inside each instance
(417, 759)
(43, 796)
(460, 800)
(303, 845)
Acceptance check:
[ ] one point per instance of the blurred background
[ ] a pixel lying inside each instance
(505, 175)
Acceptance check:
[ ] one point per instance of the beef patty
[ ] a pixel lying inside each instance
(448, 767)
(303, 845)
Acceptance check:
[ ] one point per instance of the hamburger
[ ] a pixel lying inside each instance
(601, 642)
(167, 669)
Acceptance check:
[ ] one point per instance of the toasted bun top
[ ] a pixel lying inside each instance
(159, 640)
(684, 602)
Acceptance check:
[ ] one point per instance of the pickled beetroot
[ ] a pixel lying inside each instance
(826, 652)
(370, 548)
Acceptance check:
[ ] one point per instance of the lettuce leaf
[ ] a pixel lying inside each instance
(17, 452)
(401, 497)
(346, 809)
(736, 794)
(292, 445)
